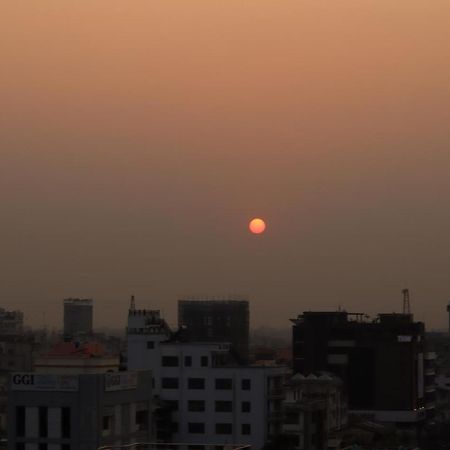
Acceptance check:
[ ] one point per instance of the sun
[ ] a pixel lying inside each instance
(257, 226)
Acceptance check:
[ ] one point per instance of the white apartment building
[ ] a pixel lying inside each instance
(212, 400)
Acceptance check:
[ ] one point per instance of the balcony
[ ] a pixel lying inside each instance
(173, 446)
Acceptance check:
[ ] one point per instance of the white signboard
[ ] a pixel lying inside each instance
(120, 381)
(43, 382)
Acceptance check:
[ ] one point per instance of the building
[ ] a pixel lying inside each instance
(210, 397)
(381, 362)
(78, 316)
(315, 409)
(79, 412)
(217, 321)
(11, 323)
(76, 358)
(16, 354)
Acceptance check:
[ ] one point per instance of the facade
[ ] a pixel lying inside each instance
(211, 399)
(16, 354)
(76, 358)
(11, 322)
(315, 408)
(381, 362)
(79, 412)
(78, 316)
(217, 321)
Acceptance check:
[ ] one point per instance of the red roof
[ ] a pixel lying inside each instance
(76, 350)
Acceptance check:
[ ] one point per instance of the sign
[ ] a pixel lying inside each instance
(120, 381)
(43, 382)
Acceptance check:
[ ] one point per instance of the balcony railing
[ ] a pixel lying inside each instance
(173, 446)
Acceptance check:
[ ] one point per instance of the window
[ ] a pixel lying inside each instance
(246, 407)
(246, 428)
(172, 404)
(188, 361)
(107, 424)
(224, 383)
(65, 422)
(43, 421)
(204, 361)
(169, 383)
(142, 420)
(224, 406)
(224, 428)
(42, 446)
(196, 427)
(174, 427)
(169, 361)
(150, 345)
(246, 384)
(65, 447)
(20, 420)
(20, 446)
(196, 405)
(196, 383)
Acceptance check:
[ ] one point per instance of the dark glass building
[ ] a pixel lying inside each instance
(382, 362)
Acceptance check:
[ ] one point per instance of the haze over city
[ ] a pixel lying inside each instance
(137, 140)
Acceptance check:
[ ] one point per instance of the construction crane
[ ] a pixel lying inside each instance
(406, 304)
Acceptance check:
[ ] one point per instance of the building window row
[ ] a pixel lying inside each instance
(220, 428)
(174, 361)
(222, 384)
(219, 406)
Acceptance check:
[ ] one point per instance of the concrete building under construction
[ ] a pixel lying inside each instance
(225, 320)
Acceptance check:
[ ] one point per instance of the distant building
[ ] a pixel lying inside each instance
(381, 362)
(78, 316)
(11, 322)
(211, 398)
(76, 358)
(315, 409)
(217, 321)
(82, 412)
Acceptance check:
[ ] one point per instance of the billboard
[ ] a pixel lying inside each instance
(120, 381)
(24, 381)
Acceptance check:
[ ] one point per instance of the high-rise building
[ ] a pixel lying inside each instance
(211, 398)
(82, 412)
(11, 322)
(217, 321)
(381, 362)
(78, 316)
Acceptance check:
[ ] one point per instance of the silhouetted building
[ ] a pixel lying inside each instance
(217, 321)
(381, 362)
(81, 412)
(16, 355)
(315, 410)
(11, 322)
(78, 314)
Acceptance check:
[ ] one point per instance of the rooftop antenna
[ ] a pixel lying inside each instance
(406, 303)
(132, 304)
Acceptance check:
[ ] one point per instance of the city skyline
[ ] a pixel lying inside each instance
(138, 139)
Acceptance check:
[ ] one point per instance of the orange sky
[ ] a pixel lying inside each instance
(138, 138)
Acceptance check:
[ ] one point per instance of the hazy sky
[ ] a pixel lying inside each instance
(138, 137)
